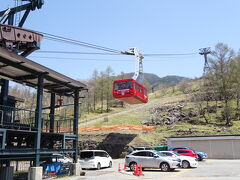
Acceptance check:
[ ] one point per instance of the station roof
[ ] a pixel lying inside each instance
(24, 71)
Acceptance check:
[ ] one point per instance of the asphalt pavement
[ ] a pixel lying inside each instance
(210, 169)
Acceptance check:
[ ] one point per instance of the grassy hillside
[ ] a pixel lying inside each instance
(173, 80)
(173, 106)
(155, 80)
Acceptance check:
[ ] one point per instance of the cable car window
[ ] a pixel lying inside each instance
(145, 92)
(138, 88)
(123, 85)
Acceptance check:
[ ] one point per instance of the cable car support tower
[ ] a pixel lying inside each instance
(138, 75)
(205, 52)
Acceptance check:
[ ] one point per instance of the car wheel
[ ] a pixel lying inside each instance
(98, 166)
(185, 164)
(165, 167)
(110, 164)
(200, 158)
(132, 166)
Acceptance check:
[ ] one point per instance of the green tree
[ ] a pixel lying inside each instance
(94, 88)
(109, 82)
(100, 88)
(220, 75)
(236, 80)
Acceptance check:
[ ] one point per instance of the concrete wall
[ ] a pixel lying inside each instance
(217, 147)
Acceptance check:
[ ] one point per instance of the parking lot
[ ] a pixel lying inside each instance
(209, 169)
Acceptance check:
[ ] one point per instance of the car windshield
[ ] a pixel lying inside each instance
(86, 154)
(176, 154)
(160, 154)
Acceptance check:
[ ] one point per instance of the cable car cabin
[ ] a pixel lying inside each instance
(130, 91)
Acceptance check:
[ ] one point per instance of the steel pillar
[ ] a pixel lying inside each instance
(4, 99)
(38, 120)
(52, 112)
(11, 19)
(75, 124)
(4, 92)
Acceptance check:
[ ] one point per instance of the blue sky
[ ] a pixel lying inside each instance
(154, 26)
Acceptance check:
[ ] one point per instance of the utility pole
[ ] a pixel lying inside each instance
(205, 52)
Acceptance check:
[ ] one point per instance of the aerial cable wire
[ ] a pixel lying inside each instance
(183, 54)
(93, 46)
(76, 52)
(78, 44)
(94, 59)
(81, 43)
(81, 59)
(152, 55)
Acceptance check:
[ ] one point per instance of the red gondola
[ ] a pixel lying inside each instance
(130, 91)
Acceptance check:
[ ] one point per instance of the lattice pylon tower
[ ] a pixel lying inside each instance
(205, 52)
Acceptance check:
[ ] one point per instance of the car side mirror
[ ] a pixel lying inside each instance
(156, 156)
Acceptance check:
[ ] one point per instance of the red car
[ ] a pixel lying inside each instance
(186, 152)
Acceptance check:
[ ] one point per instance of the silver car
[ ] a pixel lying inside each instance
(151, 159)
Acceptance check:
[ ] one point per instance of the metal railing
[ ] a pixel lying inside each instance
(62, 124)
(24, 119)
(17, 118)
(20, 165)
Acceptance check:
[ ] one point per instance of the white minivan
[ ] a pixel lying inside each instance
(94, 159)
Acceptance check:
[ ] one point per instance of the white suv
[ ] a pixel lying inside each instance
(95, 159)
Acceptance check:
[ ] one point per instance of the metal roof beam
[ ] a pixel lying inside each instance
(18, 65)
(26, 77)
(2, 66)
(67, 84)
(6, 75)
(53, 86)
(29, 70)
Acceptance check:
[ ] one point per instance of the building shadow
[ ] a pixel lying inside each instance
(116, 144)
